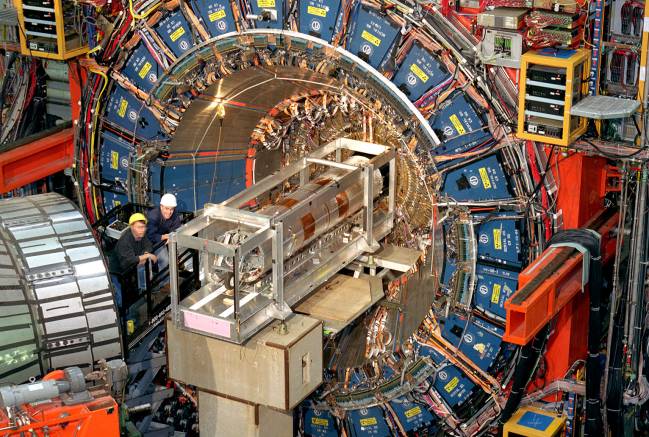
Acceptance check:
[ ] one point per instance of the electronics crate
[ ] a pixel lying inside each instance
(51, 29)
(552, 81)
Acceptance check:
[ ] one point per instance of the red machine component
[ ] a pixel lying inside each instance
(544, 288)
(57, 418)
(45, 153)
(31, 160)
(552, 287)
(581, 186)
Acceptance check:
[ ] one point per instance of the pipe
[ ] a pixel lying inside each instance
(635, 285)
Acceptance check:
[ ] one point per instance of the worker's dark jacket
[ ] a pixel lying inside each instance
(127, 252)
(157, 226)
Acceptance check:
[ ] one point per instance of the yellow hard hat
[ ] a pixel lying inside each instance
(137, 217)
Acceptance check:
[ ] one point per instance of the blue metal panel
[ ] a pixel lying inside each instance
(113, 200)
(319, 423)
(427, 351)
(419, 72)
(203, 183)
(132, 115)
(368, 421)
(478, 340)
(155, 170)
(412, 416)
(477, 181)
(371, 35)
(141, 69)
(493, 287)
(458, 125)
(453, 386)
(499, 240)
(114, 158)
(535, 421)
(258, 6)
(218, 182)
(318, 17)
(216, 16)
(175, 32)
(451, 383)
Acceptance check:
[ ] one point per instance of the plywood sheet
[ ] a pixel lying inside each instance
(342, 299)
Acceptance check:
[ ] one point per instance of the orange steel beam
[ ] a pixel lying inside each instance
(544, 288)
(548, 284)
(33, 160)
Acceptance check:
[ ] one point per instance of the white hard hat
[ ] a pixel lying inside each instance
(168, 200)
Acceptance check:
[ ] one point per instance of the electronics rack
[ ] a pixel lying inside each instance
(552, 81)
(51, 29)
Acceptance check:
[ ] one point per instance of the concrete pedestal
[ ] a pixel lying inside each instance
(274, 368)
(222, 417)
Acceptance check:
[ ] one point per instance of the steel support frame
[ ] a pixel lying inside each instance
(272, 228)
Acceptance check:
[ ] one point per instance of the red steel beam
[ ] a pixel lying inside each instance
(547, 285)
(557, 274)
(37, 159)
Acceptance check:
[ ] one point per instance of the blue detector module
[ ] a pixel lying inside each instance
(499, 239)
(319, 423)
(412, 416)
(493, 287)
(450, 382)
(458, 125)
(114, 159)
(141, 69)
(371, 35)
(453, 386)
(419, 72)
(176, 33)
(130, 114)
(318, 17)
(260, 6)
(476, 181)
(216, 16)
(203, 183)
(478, 340)
(368, 421)
(113, 199)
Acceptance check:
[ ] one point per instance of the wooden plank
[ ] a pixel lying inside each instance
(338, 302)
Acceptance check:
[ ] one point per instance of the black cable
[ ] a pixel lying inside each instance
(584, 237)
(610, 155)
(5, 84)
(615, 385)
(525, 368)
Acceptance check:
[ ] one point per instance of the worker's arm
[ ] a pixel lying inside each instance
(148, 248)
(126, 254)
(174, 223)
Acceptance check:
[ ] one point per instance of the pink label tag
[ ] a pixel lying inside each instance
(204, 323)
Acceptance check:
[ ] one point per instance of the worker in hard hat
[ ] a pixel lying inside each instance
(163, 221)
(133, 249)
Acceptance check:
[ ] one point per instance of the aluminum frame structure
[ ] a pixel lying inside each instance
(288, 281)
